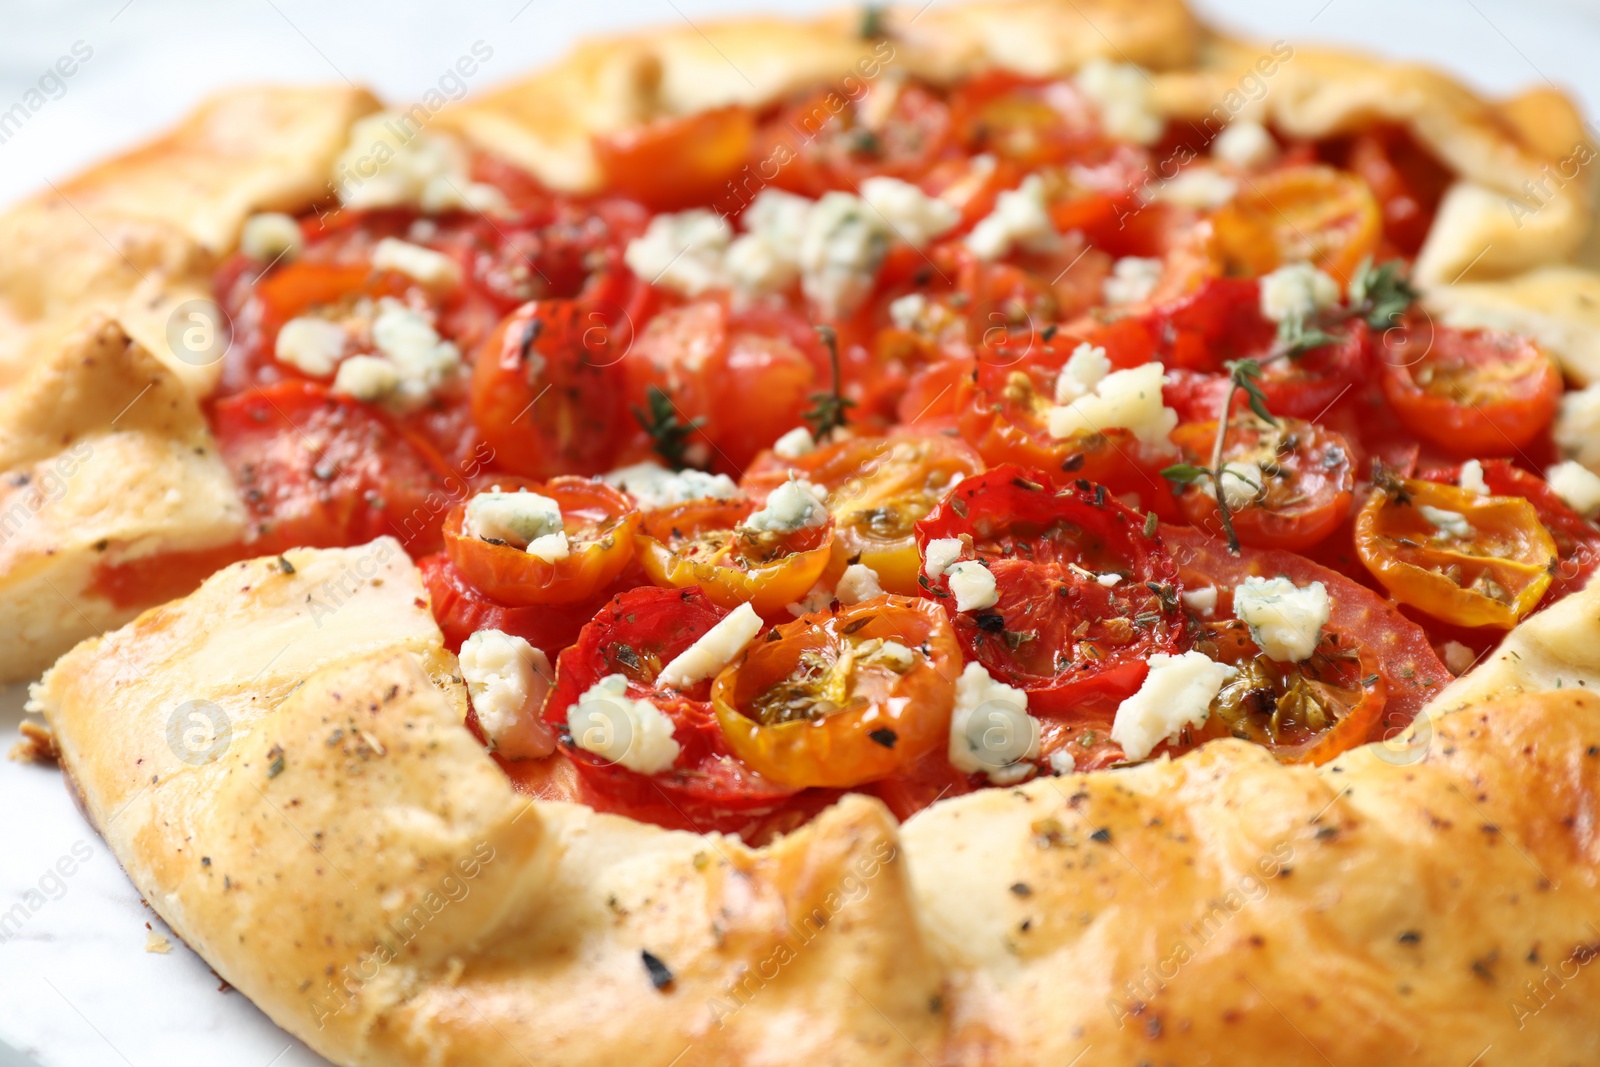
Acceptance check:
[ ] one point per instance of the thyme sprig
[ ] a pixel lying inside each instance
(1245, 375)
(828, 411)
(669, 434)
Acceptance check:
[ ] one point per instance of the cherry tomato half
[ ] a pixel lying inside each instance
(702, 543)
(1464, 558)
(547, 389)
(323, 471)
(1314, 214)
(636, 634)
(599, 523)
(1306, 712)
(1302, 478)
(878, 487)
(1475, 393)
(1073, 640)
(677, 161)
(842, 699)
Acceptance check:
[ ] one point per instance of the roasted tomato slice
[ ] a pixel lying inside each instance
(1305, 712)
(1577, 539)
(547, 389)
(838, 700)
(1412, 674)
(824, 141)
(1084, 594)
(1450, 553)
(635, 635)
(1288, 485)
(1029, 122)
(705, 544)
(1474, 393)
(677, 161)
(877, 487)
(322, 471)
(599, 523)
(462, 609)
(1406, 179)
(1314, 214)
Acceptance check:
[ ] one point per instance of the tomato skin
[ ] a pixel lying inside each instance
(636, 634)
(462, 609)
(676, 162)
(1478, 392)
(1314, 213)
(546, 388)
(1577, 540)
(1056, 631)
(878, 487)
(1027, 121)
(822, 142)
(1343, 674)
(1406, 180)
(696, 545)
(1304, 498)
(600, 524)
(837, 750)
(322, 471)
(1507, 548)
(1412, 673)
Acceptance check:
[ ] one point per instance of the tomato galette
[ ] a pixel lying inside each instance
(630, 496)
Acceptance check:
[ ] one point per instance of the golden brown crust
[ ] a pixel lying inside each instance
(104, 457)
(353, 861)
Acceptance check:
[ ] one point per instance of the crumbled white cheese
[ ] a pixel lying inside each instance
(1202, 601)
(1176, 693)
(616, 727)
(794, 505)
(1125, 399)
(1132, 280)
(1458, 657)
(1297, 290)
(1063, 762)
(940, 554)
(794, 444)
(424, 360)
(310, 345)
(1123, 94)
(1451, 522)
(972, 585)
(915, 217)
(991, 731)
(778, 218)
(551, 547)
(1285, 620)
(1109, 579)
(366, 378)
(1471, 478)
(907, 311)
(389, 162)
(755, 266)
(1084, 369)
(682, 252)
(271, 236)
(840, 253)
(858, 582)
(714, 651)
(1577, 485)
(818, 598)
(653, 486)
(515, 518)
(1200, 187)
(1021, 218)
(508, 680)
(433, 269)
(1577, 426)
(1245, 144)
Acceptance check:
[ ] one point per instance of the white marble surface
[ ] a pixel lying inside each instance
(76, 984)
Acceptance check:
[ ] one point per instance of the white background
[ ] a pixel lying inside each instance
(77, 986)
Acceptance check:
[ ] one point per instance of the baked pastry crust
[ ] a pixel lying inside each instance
(320, 858)
(353, 861)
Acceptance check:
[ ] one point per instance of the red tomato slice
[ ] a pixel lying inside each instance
(322, 471)
(547, 389)
(1077, 646)
(1412, 673)
(1474, 393)
(461, 609)
(636, 634)
(676, 162)
(825, 141)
